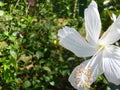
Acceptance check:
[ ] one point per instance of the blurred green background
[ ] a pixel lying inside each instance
(30, 55)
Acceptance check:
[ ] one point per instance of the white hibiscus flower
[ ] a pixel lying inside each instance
(105, 56)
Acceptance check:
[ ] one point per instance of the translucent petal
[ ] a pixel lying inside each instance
(73, 41)
(112, 34)
(92, 23)
(81, 88)
(95, 67)
(71, 78)
(111, 64)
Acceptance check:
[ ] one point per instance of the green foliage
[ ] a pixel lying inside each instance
(30, 56)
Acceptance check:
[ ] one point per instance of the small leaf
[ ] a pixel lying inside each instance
(1, 12)
(26, 84)
(52, 83)
(8, 17)
(38, 54)
(47, 69)
(71, 59)
(13, 54)
(6, 33)
(1, 4)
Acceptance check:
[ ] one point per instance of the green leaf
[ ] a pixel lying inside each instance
(52, 83)
(1, 4)
(7, 75)
(13, 54)
(8, 17)
(6, 33)
(26, 84)
(38, 54)
(1, 12)
(47, 69)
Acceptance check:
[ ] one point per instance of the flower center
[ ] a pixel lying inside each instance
(101, 45)
(82, 77)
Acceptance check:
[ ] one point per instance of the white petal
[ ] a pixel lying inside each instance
(73, 41)
(111, 64)
(71, 78)
(95, 67)
(81, 88)
(112, 34)
(92, 23)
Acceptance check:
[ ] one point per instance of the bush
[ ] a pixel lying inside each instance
(30, 56)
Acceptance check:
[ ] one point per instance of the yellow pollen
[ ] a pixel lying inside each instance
(101, 47)
(55, 42)
(82, 77)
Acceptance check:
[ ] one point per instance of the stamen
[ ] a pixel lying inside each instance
(82, 77)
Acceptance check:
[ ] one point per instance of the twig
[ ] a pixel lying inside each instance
(75, 7)
(17, 3)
